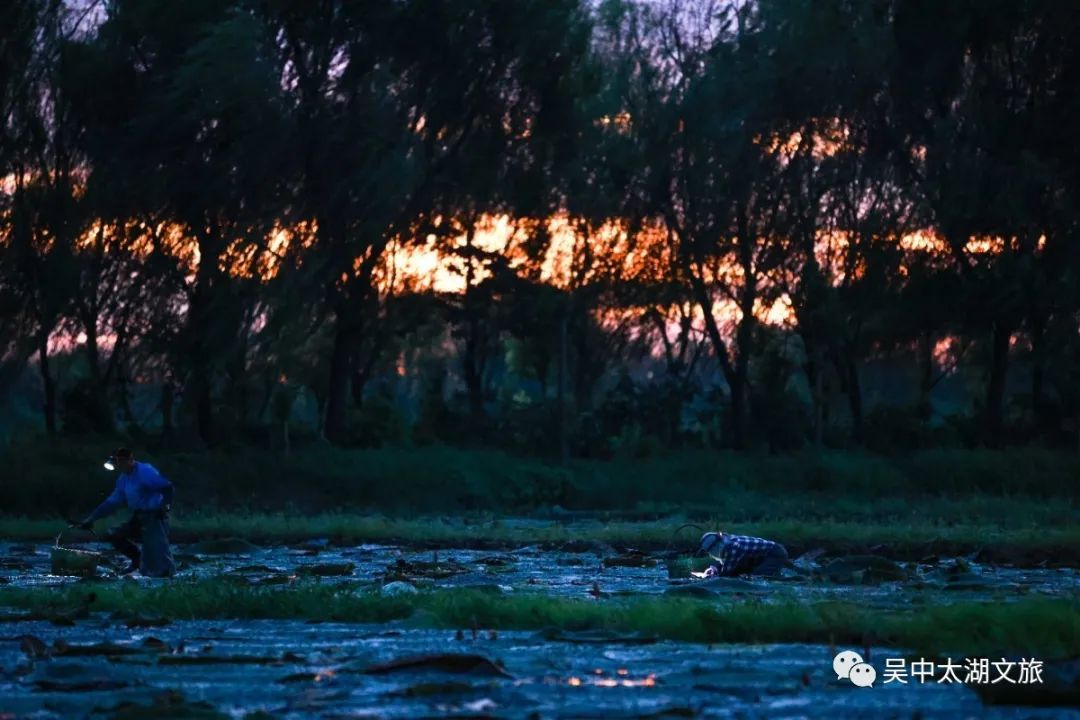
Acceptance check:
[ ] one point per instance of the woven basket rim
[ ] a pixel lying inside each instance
(74, 551)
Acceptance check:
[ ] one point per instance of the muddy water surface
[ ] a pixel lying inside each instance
(294, 669)
(594, 570)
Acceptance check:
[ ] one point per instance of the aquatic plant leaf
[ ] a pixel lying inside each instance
(255, 570)
(717, 586)
(62, 647)
(139, 621)
(1060, 687)
(33, 647)
(9, 563)
(223, 546)
(60, 676)
(405, 570)
(327, 569)
(496, 560)
(859, 569)
(430, 689)
(170, 705)
(464, 663)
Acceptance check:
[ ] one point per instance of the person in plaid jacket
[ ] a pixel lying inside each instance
(742, 555)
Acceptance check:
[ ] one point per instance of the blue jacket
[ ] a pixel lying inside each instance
(143, 489)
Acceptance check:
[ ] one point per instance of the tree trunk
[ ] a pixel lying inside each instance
(815, 371)
(341, 364)
(473, 359)
(926, 374)
(854, 392)
(585, 375)
(818, 371)
(204, 409)
(167, 408)
(720, 348)
(995, 389)
(1038, 370)
(474, 372)
(564, 443)
(48, 384)
(101, 412)
(744, 338)
(356, 386)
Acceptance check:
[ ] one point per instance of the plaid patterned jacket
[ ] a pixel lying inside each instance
(742, 552)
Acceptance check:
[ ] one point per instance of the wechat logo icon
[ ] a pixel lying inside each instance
(850, 665)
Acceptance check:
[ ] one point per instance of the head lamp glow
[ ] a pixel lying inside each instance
(109, 464)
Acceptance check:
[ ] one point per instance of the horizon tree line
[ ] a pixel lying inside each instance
(229, 201)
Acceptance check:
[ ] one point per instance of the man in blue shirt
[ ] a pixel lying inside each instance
(742, 555)
(141, 489)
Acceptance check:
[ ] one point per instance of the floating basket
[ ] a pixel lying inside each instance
(67, 561)
(680, 567)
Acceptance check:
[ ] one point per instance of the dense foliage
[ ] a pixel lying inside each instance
(718, 224)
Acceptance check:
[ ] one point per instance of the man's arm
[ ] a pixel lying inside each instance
(111, 504)
(727, 559)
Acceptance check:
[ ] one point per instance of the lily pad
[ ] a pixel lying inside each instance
(255, 570)
(223, 546)
(496, 560)
(717, 586)
(10, 563)
(33, 647)
(63, 648)
(1060, 687)
(326, 569)
(170, 705)
(461, 663)
(863, 570)
(431, 689)
(404, 570)
(140, 621)
(76, 677)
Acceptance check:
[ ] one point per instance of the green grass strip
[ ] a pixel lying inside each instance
(355, 529)
(1045, 628)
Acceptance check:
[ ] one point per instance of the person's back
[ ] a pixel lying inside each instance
(744, 554)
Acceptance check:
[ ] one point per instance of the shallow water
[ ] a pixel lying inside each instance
(295, 669)
(553, 572)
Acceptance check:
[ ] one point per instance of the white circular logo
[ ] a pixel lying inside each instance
(843, 662)
(863, 675)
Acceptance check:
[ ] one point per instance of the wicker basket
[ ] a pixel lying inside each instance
(68, 561)
(680, 567)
